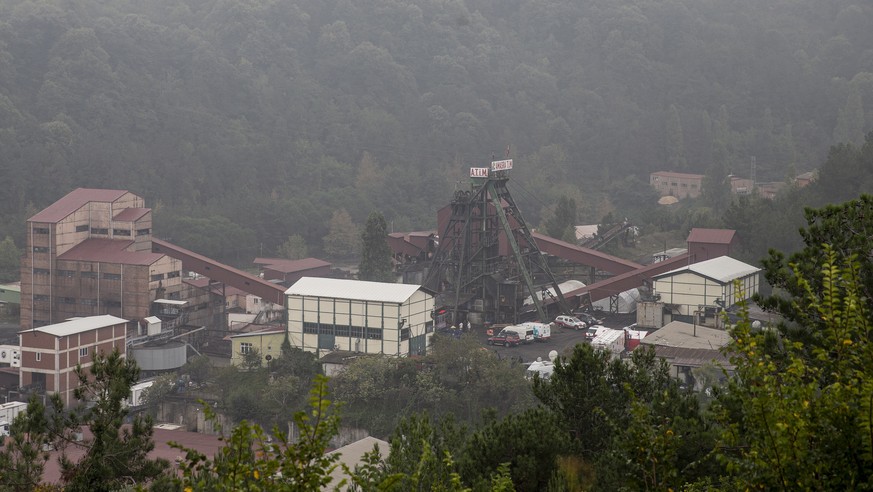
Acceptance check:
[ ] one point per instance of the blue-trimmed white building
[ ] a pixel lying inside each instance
(706, 285)
(326, 314)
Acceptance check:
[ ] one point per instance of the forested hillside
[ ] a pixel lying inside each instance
(251, 121)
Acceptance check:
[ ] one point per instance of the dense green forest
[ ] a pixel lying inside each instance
(247, 122)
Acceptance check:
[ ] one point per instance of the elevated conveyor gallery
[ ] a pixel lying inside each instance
(220, 272)
(626, 281)
(584, 256)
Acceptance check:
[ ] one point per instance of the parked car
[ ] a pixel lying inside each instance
(591, 332)
(570, 322)
(589, 318)
(506, 338)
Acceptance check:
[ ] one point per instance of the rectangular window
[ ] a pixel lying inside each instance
(157, 276)
(173, 296)
(121, 232)
(310, 328)
(174, 274)
(101, 231)
(112, 276)
(40, 298)
(685, 185)
(112, 304)
(326, 330)
(374, 333)
(245, 348)
(673, 184)
(356, 331)
(41, 271)
(68, 300)
(38, 356)
(89, 302)
(342, 330)
(83, 352)
(404, 334)
(143, 232)
(40, 230)
(40, 249)
(428, 327)
(83, 228)
(88, 274)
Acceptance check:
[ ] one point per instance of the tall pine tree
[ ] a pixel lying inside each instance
(375, 254)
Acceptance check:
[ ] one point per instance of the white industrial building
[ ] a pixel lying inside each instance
(708, 285)
(326, 315)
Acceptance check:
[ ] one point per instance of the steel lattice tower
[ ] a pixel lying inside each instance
(487, 261)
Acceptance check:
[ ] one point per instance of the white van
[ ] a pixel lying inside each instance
(542, 331)
(525, 333)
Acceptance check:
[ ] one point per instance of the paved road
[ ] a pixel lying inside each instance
(563, 340)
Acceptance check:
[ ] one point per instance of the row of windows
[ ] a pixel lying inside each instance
(342, 331)
(72, 301)
(105, 232)
(93, 275)
(83, 352)
(97, 230)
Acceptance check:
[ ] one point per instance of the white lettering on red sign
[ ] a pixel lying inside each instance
(501, 165)
(478, 172)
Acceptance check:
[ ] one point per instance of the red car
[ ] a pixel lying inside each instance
(505, 338)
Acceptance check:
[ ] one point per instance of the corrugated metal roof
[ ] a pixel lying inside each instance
(289, 266)
(711, 236)
(671, 174)
(723, 269)
(131, 214)
(78, 325)
(352, 289)
(109, 251)
(679, 334)
(259, 333)
(75, 200)
(693, 357)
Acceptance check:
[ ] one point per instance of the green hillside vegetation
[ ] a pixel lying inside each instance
(246, 123)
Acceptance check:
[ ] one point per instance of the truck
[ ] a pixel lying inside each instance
(541, 331)
(8, 412)
(525, 333)
(610, 340)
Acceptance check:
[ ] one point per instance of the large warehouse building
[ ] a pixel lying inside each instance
(708, 284)
(327, 315)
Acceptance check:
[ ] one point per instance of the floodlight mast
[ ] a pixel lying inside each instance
(486, 247)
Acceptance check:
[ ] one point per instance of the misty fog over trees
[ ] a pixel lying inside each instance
(246, 123)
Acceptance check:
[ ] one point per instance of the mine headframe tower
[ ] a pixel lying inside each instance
(487, 262)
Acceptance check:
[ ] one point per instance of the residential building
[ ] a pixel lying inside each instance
(741, 186)
(90, 253)
(680, 185)
(327, 315)
(266, 342)
(804, 179)
(703, 289)
(49, 354)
